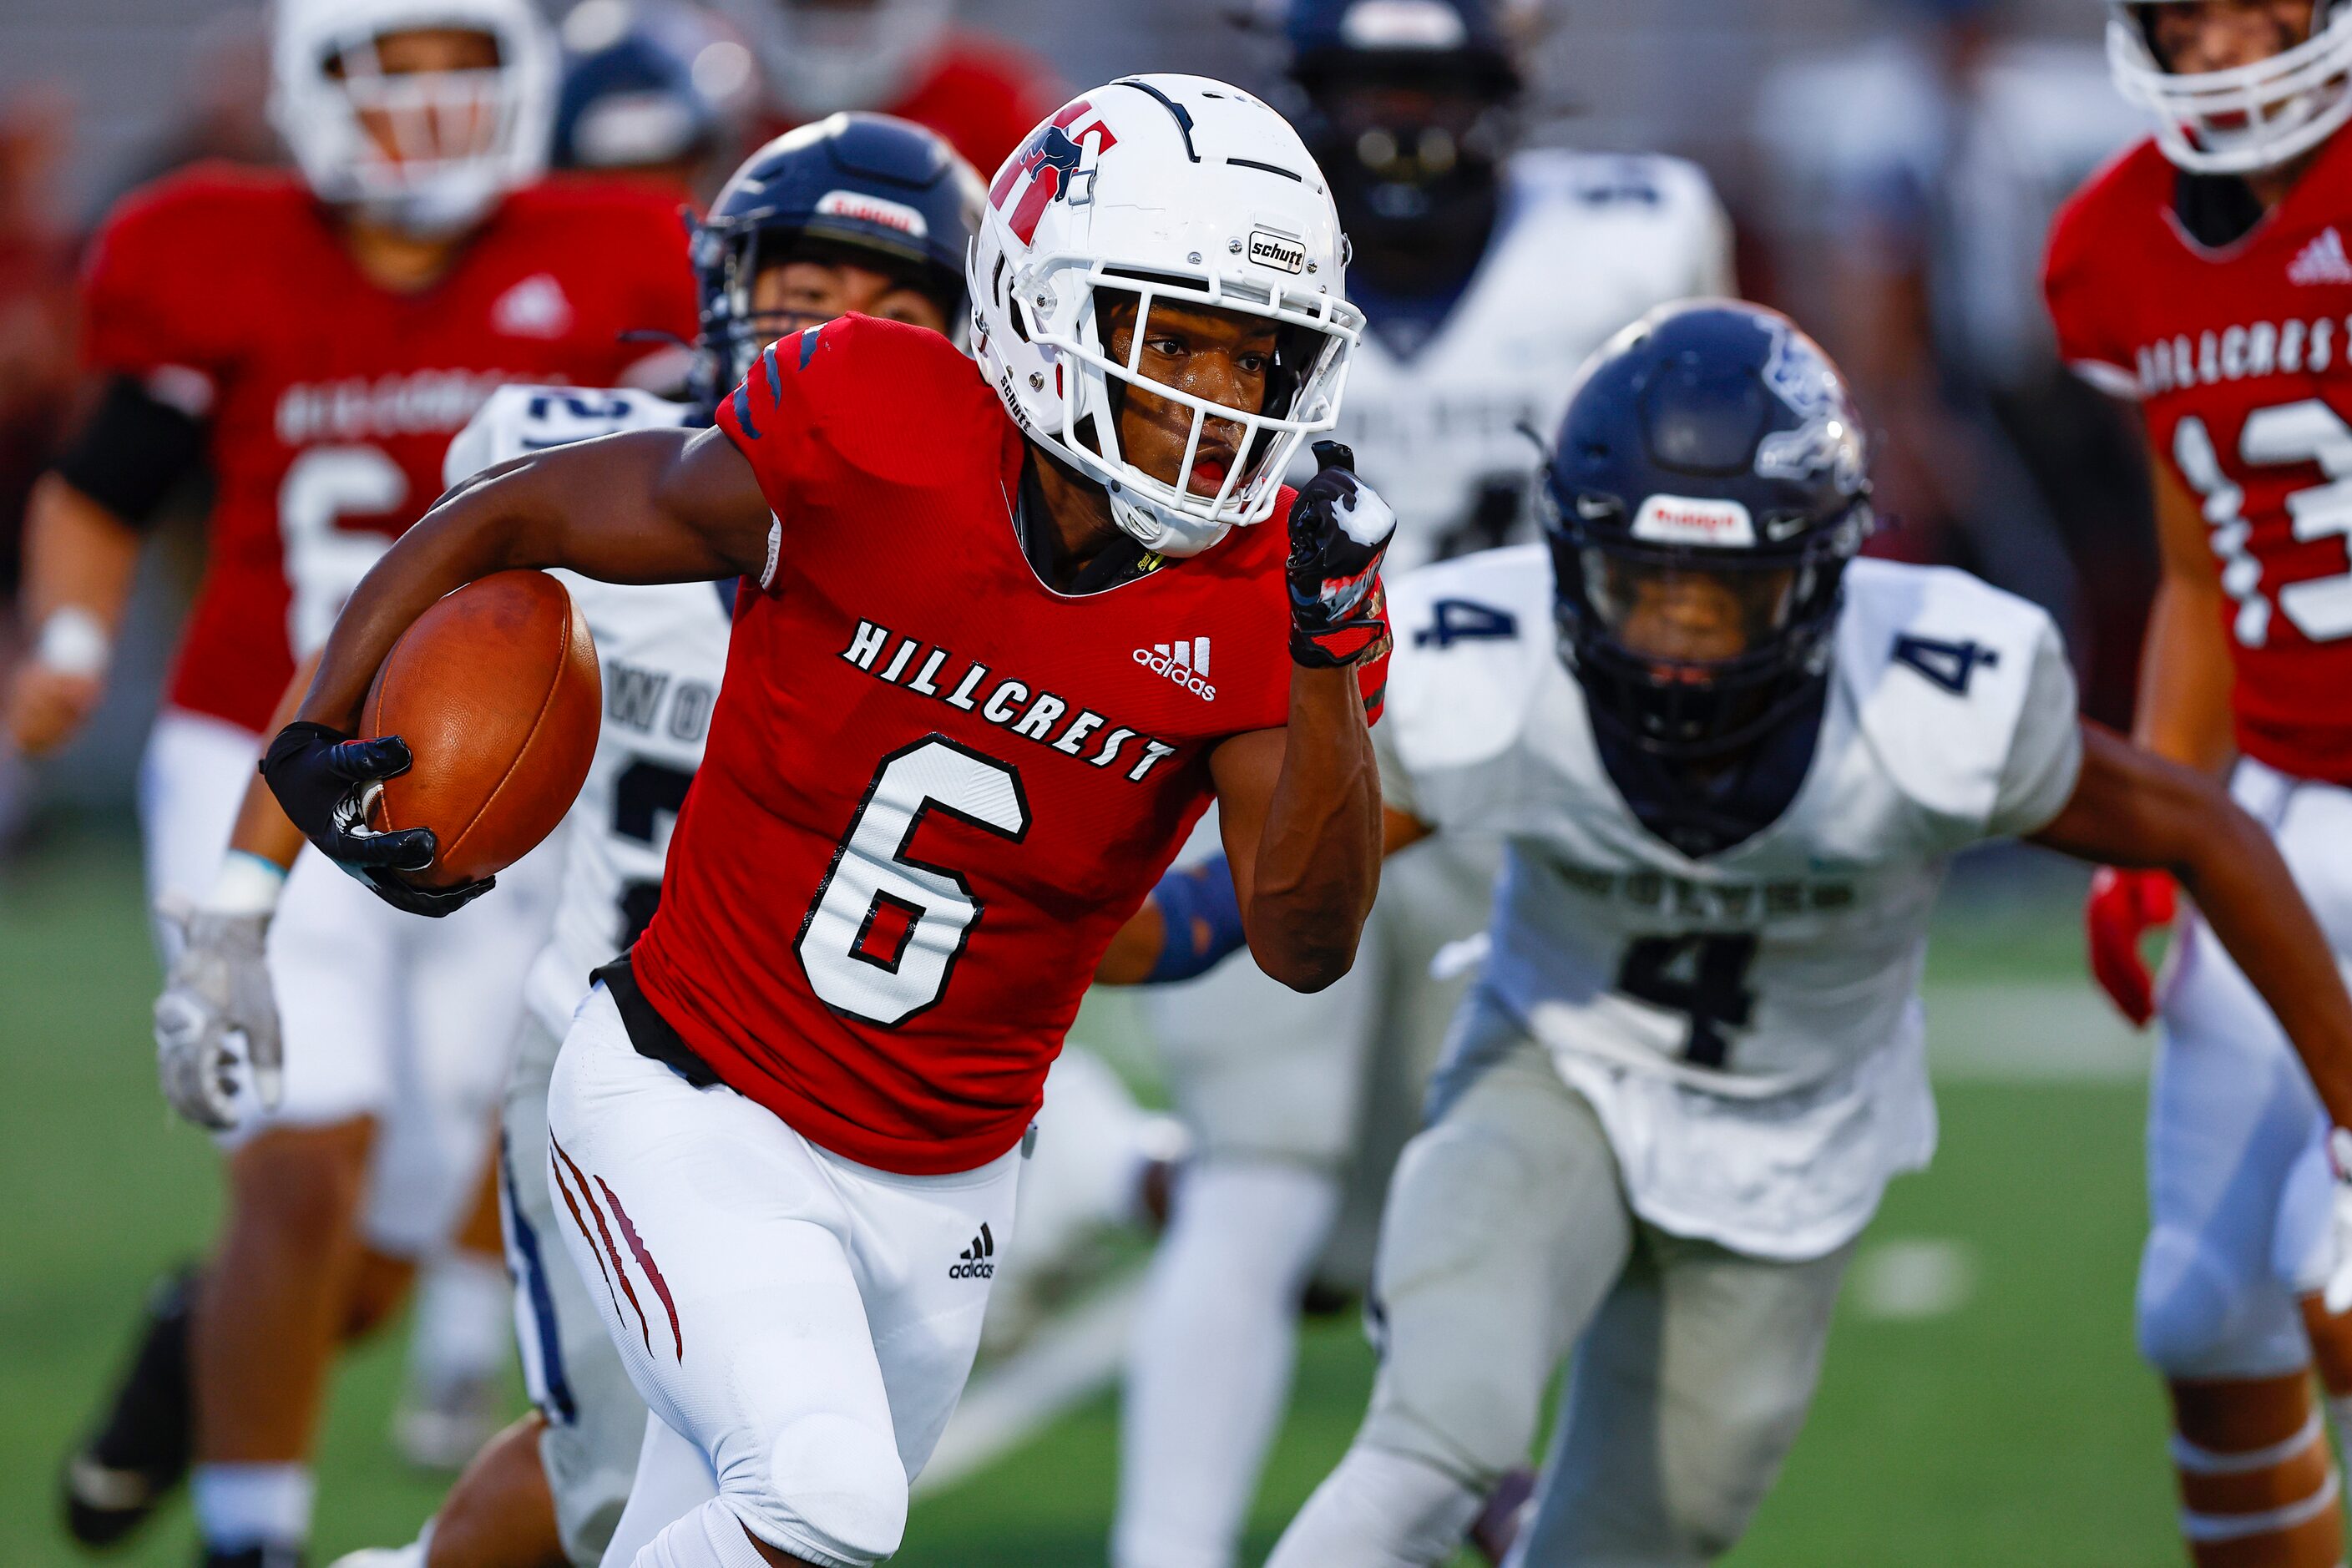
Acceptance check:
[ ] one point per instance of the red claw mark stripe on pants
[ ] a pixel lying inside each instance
(645, 1261)
(603, 1235)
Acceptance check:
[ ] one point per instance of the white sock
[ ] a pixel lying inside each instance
(464, 1324)
(243, 1506)
(673, 1480)
(1378, 1510)
(709, 1537)
(1209, 1369)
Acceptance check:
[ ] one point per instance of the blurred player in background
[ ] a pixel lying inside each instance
(657, 92)
(901, 58)
(2205, 276)
(1486, 277)
(1916, 173)
(314, 341)
(1731, 763)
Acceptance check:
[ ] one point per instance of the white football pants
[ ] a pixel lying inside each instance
(807, 1323)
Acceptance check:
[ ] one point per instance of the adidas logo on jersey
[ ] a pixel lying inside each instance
(1185, 662)
(534, 307)
(976, 1264)
(2322, 261)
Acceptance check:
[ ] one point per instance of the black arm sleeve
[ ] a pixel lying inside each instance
(133, 452)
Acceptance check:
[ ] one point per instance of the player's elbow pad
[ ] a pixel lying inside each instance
(1200, 919)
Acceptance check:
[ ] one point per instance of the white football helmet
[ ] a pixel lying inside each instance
(2249, 116)
(464, 138)
(822, 57)
(1162, 189)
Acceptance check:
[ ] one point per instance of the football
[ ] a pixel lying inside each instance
(496, 692)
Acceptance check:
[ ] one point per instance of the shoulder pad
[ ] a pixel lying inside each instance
(1474, 636)
(515, 421)
(1939, 663)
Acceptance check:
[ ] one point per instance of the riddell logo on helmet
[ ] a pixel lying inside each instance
(1681, 519)
(861, 208)
(1185, 662)
(1278, 251)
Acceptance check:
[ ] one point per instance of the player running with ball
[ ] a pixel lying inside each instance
(2203, 275)
(937, 778)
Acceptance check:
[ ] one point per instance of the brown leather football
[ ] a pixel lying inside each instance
(496, 691)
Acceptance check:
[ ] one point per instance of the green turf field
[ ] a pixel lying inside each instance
(1981, 1405)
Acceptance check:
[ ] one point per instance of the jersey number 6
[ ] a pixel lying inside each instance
(886, 929)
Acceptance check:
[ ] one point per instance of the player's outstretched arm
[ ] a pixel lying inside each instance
(645, 506)
(2133, 808)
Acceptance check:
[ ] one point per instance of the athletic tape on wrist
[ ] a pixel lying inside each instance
(73, 641)
(248, 884)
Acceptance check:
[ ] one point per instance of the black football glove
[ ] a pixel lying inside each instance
(325, 779)
(1339, 531)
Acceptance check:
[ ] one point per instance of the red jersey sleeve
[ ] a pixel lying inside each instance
(2082, 292)
(160, 287)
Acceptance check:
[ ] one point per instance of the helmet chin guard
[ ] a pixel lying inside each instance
(326, 85)
(2248, 118)
(1165, 192)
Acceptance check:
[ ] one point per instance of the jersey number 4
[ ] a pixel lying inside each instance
(883, 937)
(2307, 432)
(1702, 976)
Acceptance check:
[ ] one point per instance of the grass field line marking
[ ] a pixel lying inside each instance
(1914, 1278)
(2029, 1031)
(1069, 1360)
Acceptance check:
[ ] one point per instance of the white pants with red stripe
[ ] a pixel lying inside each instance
(808, 1322)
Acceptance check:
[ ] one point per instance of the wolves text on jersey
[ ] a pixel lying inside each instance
(633, 699)
(1010, 703)
(1734, 902)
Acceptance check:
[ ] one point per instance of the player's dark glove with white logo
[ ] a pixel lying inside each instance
(326, 780)
(1339, 531)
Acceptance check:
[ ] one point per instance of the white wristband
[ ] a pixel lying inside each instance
(247, 885)
(74, 642)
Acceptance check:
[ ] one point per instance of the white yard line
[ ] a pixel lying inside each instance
(2039, 1030)
(1066, 1362)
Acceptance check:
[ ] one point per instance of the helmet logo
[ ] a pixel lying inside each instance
(1049, 164)
(1278, 251)
(879, 211)
(1681, 519)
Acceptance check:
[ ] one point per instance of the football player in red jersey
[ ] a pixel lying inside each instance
(946, 766)
(2204, 274)
(313, 342)
(902, 57)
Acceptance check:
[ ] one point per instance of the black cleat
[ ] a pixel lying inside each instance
(142, 1446)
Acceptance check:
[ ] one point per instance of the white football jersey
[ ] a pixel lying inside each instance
(662, 650)
(1587, 243)
(1746, 1023)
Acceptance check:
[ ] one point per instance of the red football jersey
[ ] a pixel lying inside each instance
(984, 96)
(329, 400)
(2239, 359)
(935, 788)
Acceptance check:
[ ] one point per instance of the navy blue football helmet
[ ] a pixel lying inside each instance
(660, 87)
(861, 188)
(1709, 484)
(1407, 109)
